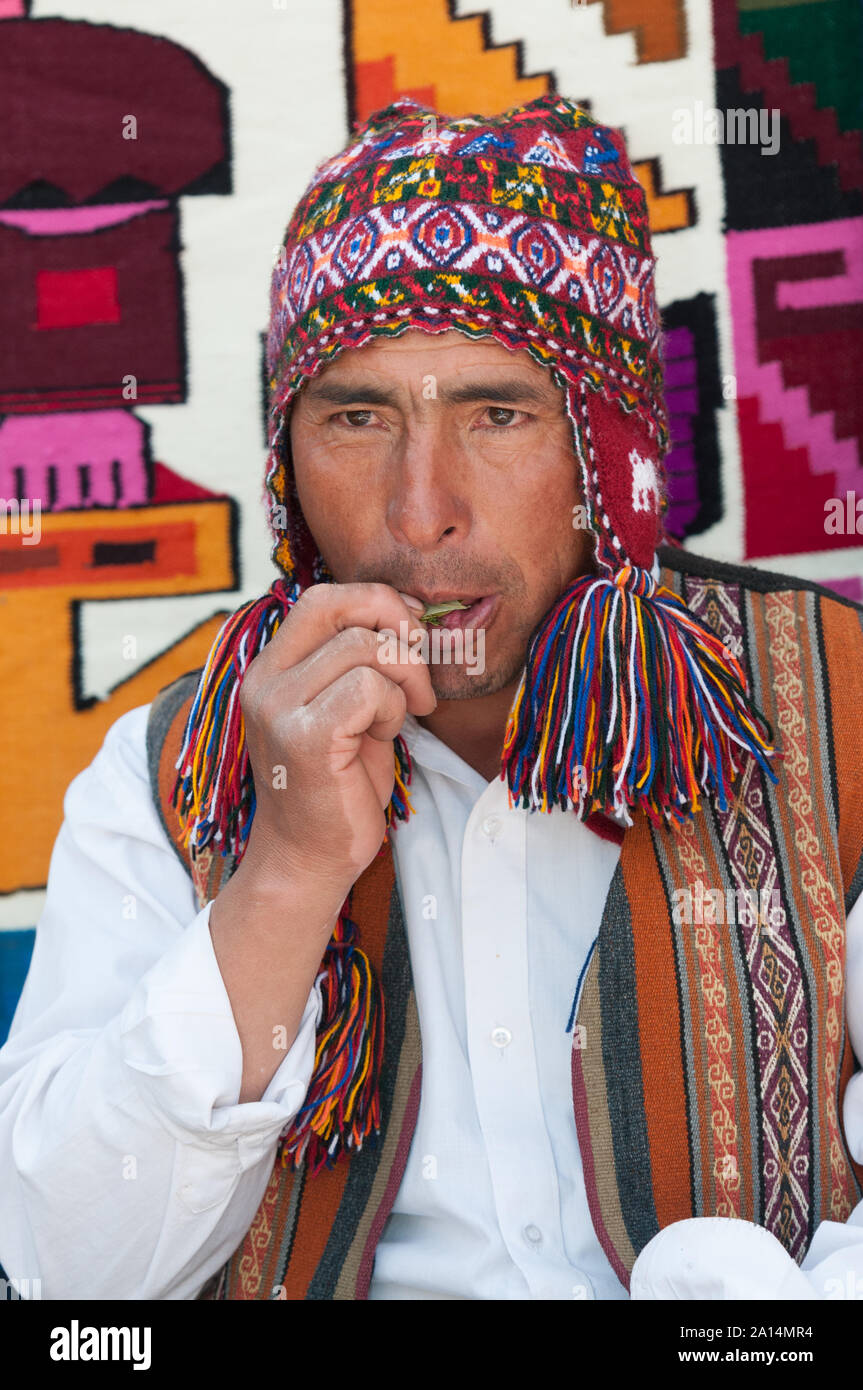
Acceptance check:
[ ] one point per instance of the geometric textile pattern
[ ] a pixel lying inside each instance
(601, 280)
(73, 305)
(103, 128)
(424, 51)
(91, 113)
(450, 61)
(797, 311)
(814, 141)
(659, 28)
(693, 392)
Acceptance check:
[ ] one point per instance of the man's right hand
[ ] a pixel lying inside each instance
(321, 711)
(318, 703)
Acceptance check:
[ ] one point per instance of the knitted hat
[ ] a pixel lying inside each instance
(529, 228)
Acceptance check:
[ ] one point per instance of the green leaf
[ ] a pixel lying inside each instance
(434, 611)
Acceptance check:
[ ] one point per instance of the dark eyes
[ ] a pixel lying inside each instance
(500, 417)
(496, 412)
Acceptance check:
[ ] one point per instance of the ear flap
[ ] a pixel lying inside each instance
(295, 551)
(623, 477)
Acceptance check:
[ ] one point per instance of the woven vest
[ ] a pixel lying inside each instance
(710, 1052)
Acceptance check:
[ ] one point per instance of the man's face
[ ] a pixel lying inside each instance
(445, 467)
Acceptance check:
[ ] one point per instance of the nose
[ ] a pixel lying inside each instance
(428, 502)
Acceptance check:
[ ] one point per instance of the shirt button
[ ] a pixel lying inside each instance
(501, 1037)
(491, 827)
(533, 1234)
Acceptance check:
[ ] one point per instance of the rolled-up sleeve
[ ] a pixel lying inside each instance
(131, 1170)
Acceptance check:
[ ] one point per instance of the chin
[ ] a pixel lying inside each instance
(467, 682)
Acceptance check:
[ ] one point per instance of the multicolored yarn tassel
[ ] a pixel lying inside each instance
(214, 797)
(628, 700)
(342, 1107)
(400, 806)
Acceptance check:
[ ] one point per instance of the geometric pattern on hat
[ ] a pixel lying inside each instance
(529, 227)
(603, 280)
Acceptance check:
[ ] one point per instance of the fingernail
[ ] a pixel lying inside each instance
(415, 603)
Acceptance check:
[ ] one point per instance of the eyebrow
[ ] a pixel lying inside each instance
(514, 390)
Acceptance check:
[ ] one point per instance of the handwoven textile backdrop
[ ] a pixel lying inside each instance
(146, 175)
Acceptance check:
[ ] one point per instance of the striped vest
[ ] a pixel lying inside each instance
(710, 1052)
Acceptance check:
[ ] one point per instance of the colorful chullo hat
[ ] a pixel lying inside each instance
(530, 228)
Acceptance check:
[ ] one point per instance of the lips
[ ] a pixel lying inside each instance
(479, 613)
(444, 596)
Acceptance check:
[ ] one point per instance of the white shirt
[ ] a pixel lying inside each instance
(131, 1171)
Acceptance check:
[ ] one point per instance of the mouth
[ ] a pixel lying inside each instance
(478, 613)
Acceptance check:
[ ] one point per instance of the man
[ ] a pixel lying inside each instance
(531, 972)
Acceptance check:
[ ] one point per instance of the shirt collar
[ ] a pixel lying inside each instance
(434, 755)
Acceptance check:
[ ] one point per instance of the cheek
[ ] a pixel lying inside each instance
(541, 494)
(544, 533)
(325, 488)
(337, 501)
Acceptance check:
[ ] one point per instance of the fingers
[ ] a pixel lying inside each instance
(336, 632)
(357, 647)
(362, 701)
(323, 610)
